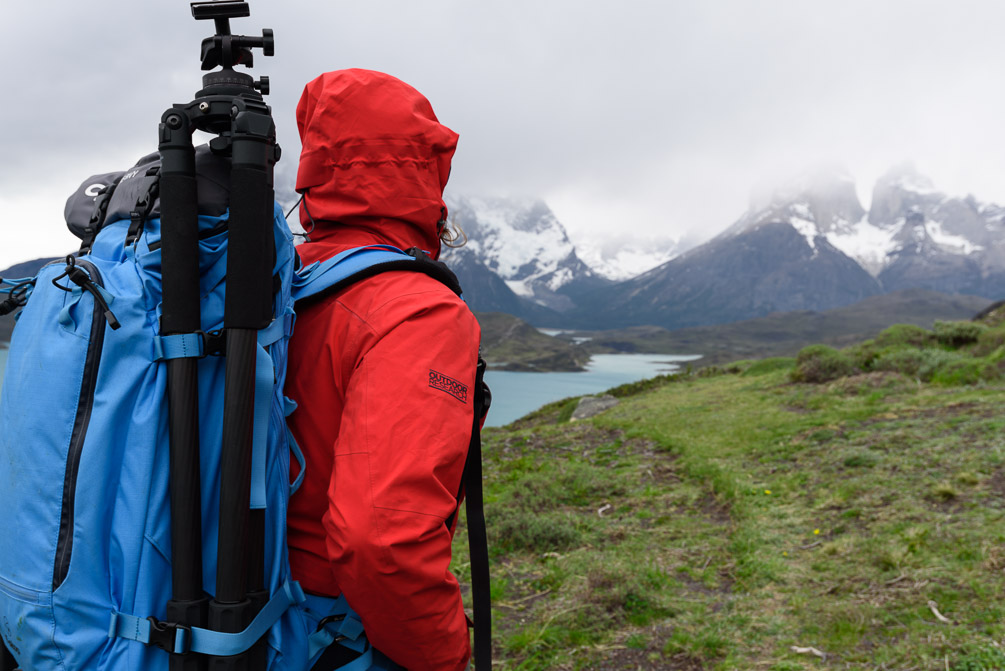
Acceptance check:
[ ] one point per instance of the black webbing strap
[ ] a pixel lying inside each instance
(478, 545)
(98, 215)
(144, 206)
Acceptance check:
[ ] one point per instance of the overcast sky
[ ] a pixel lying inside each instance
(655, 117)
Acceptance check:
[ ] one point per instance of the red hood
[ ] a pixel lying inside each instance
(374, 161)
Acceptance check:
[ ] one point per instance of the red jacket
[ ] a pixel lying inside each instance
(384, 374)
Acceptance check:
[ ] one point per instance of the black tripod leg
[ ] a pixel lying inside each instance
(180, 263)
(7, 661)
(247, 308)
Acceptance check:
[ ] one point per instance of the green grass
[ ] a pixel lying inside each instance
(716, 522)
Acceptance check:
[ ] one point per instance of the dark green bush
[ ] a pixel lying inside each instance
(900, 335)
(820, 363)
(864, 354)
(935, 360)
(958, 334)
(906, 361)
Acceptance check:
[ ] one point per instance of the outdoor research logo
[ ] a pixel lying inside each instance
(449, 385)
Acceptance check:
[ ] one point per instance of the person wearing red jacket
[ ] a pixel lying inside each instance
(383, 372)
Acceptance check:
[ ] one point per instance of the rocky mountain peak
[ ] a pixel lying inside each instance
(817, 202)
(524, 243)
(900, 191)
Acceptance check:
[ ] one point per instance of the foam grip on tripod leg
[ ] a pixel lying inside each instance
(252, 250)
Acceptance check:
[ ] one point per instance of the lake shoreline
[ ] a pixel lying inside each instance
(518, 393)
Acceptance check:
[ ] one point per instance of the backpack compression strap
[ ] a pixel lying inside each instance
(335, 274)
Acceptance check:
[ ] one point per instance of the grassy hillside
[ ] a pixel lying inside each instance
(735, 518)
(785, 333)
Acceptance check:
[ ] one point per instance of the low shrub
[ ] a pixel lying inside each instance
(864, 354)
(515, 530)
(958, 334)
(820, 363)
(934, 360)
(939, 366)
(904, 335)
(906, 361)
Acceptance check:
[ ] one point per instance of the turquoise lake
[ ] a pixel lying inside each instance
(516, 394)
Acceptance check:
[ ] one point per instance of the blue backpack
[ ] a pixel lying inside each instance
(85, 566)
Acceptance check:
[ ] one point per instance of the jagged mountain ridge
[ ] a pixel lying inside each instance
(523, 243)
(810, 245)
(909, 224)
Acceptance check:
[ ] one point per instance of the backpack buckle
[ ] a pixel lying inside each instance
(214, 343)
(331, 619)
(169, 636)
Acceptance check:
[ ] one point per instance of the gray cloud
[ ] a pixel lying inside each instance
(653, 115)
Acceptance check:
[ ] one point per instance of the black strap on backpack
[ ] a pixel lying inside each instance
(98, 216)
(144, 206)
(478, 545)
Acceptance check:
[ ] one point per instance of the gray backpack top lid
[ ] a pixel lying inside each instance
(131, 186)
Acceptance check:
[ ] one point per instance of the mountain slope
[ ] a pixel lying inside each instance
(938, 242)
(810, 245)
(770, 267)
(525, 244)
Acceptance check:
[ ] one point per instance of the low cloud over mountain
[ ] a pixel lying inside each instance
(806, 245)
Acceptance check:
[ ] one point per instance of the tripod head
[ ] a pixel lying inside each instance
(225, 50)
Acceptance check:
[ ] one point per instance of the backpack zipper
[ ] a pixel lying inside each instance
(21, 593)
(64, 544)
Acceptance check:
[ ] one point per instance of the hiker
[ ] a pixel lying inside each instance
(384, 375)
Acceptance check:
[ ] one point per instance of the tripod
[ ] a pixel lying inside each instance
(229, 106)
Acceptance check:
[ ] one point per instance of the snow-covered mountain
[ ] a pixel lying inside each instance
(524, 243)
(621, 258)
(810, 245)
(913, 236)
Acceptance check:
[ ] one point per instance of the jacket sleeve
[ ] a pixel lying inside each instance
(399, 458)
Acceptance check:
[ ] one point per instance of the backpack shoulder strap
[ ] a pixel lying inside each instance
(327, 277)
(330, 276)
